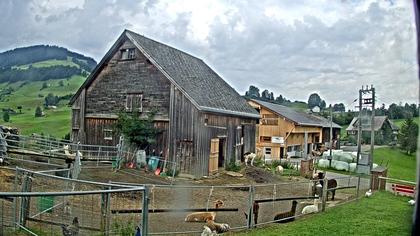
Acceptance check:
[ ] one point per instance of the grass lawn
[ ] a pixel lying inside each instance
(400, 165)
(382, 214)
(399, 122)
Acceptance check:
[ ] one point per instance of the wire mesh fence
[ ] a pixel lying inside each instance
(117, 208)
(45, 204)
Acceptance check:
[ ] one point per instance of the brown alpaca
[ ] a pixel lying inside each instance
(255, 209)
(332, 183)
(204, 216)
(218, 227)
(290, 215)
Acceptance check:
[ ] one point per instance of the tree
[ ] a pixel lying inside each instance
(314, 100)
(266, 95)
(61, 83)
(6, 116)
(20, 109)
(51, 100)
(253, 92)
(407, 138)
(44, 86)
(139, 131)
(339, 107)
(38, 112)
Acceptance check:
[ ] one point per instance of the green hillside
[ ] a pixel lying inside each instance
(56, 122)
(29, 75)
(399, 122)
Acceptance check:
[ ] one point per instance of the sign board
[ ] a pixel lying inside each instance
(276, 139)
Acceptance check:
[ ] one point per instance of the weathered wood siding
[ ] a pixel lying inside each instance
(191, 132)
(77, 120)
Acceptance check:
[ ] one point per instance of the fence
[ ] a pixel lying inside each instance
(41, 203)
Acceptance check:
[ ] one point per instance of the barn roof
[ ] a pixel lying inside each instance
(192, 76)
(378, 123)
(301, 118)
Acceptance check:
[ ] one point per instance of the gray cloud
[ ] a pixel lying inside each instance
(293, 48)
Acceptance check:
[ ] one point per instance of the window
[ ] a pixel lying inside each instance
(134, 102)
(269, 119)
(108, 134)
(265, 139)
(128, 53)
(267, 151)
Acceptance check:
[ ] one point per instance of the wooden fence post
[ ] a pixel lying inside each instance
(324, 193)
(25, 202)
(145, 212)
(251, 197)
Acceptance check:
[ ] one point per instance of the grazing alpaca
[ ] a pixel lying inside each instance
(204, 216)
(279, 169)
(255, 209)
(250, 156)
(311, 208)
(288, 216)
(71, 230)
(332, 183)
(217, 227)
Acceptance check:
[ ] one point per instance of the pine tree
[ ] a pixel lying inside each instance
(407, 138)
(6, 117)
(38, 112)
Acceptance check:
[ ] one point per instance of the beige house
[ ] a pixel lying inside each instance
(282, 130)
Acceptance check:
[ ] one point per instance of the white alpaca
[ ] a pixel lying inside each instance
(311, 208)
(250, 156)
(217, 227)
(368, 193)
(279, 169)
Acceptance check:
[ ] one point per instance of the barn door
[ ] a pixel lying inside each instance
(214, 155)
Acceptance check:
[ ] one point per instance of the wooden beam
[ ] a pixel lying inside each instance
(60, 224)
(284, 199)
(119, 211)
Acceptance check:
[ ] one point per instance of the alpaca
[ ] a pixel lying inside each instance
(71, 230)
(207, 232)
(279, 169)
(67, 208)
(332, 183)
(288, 216)
(255, 209)
(250, 156)
(217, 227)
(204, 216)
(311, 208)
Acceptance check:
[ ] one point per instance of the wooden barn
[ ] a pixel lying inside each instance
(203, 122)
(281, 131)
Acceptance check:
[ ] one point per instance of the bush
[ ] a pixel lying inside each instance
(38, 112)
(232, 166)
(6, 117)
(138, 131)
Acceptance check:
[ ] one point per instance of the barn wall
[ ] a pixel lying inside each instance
(109, 91)
(191, 132)
(77, 133)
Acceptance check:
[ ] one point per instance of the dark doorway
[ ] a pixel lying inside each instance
(281, 152)
(221, 162)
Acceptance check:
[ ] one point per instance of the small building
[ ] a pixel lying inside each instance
(203, 122)
(385, 130)
(282, 130)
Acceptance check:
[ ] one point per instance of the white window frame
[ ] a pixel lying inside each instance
(128, 54)
(129, 102)
(108, 134)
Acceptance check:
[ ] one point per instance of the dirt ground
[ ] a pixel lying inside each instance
(234, 191)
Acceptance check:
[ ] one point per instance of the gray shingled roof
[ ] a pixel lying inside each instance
(195, 78)
(302, 118)
(378, 123)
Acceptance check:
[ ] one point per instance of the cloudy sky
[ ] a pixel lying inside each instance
(291, 47)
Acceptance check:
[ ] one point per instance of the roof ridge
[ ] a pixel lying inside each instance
(164, 44)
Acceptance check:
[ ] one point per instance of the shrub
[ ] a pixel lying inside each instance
(139, 131)
(6, 117)
(38, 112)
(232, 166)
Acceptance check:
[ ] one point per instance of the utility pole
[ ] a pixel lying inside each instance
(366, 100)
(331, 134)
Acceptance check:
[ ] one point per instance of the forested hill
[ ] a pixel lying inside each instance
(42, 62)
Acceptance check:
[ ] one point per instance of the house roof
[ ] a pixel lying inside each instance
(301, 118)
(378, 123)
(192, 76)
